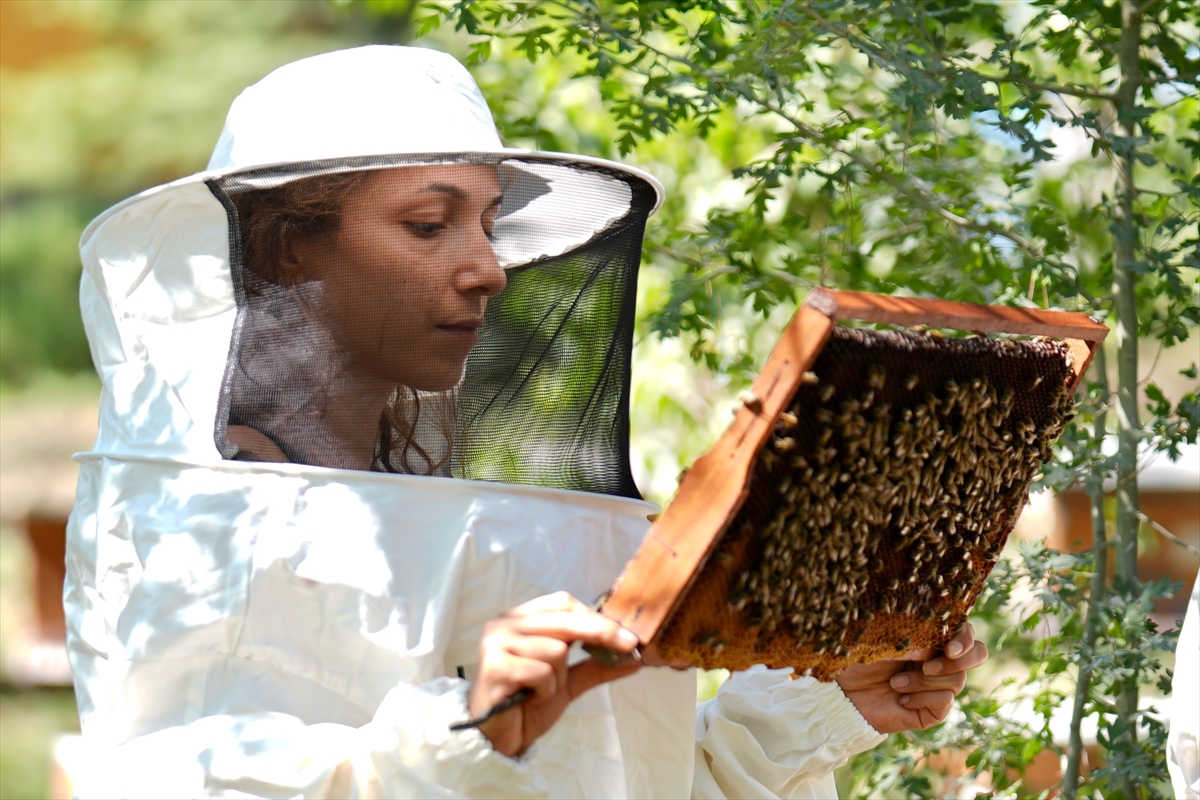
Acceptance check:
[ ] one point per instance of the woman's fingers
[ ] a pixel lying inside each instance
(915, 655)
(590, 673)
(540, 665)
(976, 655)
(932, 700)
(562, 616)
(532, 674)
(915, 690)
(558, 601)
(652, 657)
(527, 648)
(916, 681)
(933, 706)
(961, 642)
(542, 650)
(582, 625)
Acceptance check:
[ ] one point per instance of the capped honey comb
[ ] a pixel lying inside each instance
(881, 473)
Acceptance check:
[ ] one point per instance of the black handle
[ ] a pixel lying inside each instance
(513, 700)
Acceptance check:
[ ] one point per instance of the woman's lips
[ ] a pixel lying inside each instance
(466, 332)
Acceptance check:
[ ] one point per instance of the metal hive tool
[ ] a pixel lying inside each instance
(855, 506)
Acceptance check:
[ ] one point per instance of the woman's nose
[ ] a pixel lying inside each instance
(481, 271)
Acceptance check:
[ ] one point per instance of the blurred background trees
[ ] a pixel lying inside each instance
(1032, 152)
(98, 101)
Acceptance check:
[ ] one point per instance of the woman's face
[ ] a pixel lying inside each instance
(409, 270)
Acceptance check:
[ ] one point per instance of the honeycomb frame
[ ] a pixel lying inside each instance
(722, 583)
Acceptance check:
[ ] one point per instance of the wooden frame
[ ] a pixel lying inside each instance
(714, 489)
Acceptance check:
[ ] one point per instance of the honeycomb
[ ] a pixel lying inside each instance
(879, 504)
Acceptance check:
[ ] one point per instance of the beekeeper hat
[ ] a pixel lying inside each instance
(385, 105)
(545, 392)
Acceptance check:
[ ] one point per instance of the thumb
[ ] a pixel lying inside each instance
(585, 675)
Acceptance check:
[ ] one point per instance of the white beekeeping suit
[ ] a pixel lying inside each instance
(1183, 741)
(247, 615)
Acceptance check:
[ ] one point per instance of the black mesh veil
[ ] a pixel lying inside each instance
(467, 316)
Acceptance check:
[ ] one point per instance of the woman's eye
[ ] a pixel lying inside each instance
(489, 224)
(425, 229)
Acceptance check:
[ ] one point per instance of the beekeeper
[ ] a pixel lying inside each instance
(363, 464)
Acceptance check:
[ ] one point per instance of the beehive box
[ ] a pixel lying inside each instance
(855, 506)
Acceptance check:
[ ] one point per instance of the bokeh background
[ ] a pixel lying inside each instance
(100, 100)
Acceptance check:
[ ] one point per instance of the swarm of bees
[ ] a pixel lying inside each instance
(880, 503)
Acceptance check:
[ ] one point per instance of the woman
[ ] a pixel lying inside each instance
(285, 576)
(392, 270)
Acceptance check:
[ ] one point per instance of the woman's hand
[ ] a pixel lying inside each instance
(915, 691)
(527, 648)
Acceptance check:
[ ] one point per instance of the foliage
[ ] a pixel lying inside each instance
(1047, 592)
(102, 100)
(39, 289)
(31, 720)
(915, 126)
(1039, 153)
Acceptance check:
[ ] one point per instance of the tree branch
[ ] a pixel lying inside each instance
(1167, 534)
(912, 193)
(878, 53)
(1181, 76)
(812, 134)
(1053, 88)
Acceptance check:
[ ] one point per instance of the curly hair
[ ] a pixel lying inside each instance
(269, 221)
(271, 218)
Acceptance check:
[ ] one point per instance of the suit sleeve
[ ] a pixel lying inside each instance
(767, 735)
(407, 750)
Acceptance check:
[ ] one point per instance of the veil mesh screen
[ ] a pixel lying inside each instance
(468, 318)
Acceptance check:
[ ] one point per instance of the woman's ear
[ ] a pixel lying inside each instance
(299, 258)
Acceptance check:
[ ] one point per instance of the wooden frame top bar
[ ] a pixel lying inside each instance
(959, 316)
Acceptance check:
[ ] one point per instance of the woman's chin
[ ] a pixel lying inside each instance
(436, 381)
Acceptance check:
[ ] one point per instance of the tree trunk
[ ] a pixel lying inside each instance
(1096, 595)
(1125, 301)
